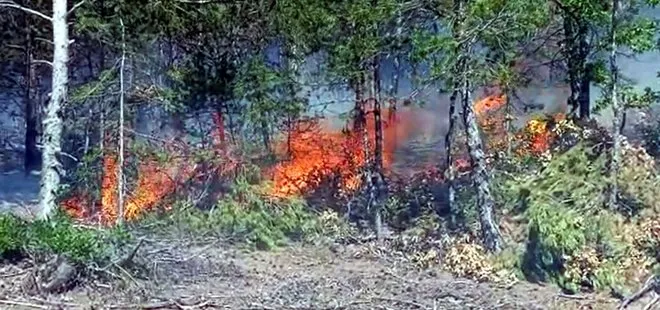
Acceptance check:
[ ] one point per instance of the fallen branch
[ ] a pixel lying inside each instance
(22, 304)
(123, 262)
(652, 284)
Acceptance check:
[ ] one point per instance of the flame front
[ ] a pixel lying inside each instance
(318, 153)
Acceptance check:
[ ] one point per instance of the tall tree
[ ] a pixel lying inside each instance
(25, 43)
(461, 59)
(616, 108)
(51, 170)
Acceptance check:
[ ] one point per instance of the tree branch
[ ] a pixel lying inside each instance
(44, 62)
(75, 6)
(14, 5)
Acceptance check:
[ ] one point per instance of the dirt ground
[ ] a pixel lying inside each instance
(215, 275)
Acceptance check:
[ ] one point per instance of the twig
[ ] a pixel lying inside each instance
(392, 274)
(401, 301)
(22, 304)
(202, 250)
(651, 285)
(15, 274)
(75, 6)
(129, 257)
(14, 5)
(577, 297)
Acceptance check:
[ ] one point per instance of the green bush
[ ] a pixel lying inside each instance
(12, 235)
(570, 234)
(59, 235)
(245, 214)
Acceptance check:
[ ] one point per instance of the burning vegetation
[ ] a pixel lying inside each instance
(314, 156)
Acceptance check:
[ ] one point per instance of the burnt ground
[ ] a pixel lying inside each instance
(218, 275)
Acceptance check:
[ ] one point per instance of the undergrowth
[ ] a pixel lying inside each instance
(247, 214)
(59, 236)
(572, 239)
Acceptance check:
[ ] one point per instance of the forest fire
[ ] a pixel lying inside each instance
(536, 136)
(318, 153)
(153, 184)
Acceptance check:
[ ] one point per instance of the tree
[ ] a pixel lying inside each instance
(616, 108)
(26, 43)
(52, 122)
(461, 66)
(52, 138)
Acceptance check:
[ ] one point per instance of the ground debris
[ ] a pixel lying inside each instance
(216, 275)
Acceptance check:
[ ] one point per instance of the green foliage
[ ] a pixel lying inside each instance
(358, 36)
(59, 235)
(571, 238)
(307, 24)
(247, 215)
(12, 235)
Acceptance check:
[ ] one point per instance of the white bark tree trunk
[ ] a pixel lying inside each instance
(52, 137)
(617, 118)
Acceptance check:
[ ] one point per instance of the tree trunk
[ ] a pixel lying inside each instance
(120, 166)
(379, 189)
(576, 51)
(359, 118)
(219, 121)
(450, 173)
(480, 176)
(617, 111)
(52, 135)
(32, 159)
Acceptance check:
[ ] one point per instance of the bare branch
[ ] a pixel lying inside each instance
(14, 5)
(75, 6)
(43, 62)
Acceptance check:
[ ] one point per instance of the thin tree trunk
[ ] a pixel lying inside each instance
(450, 173)
(52, 136)
(508, 122)
(378, 182)
(579, 75)
(394, 86)
(480, 175)
(120, 166)
(618, 116)
(32, 158)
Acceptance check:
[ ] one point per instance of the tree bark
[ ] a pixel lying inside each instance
(378, 181)
(52, 135)
(480, 175)
(450, 173)
(617, 111)
(32, 159)
(576, 51)
(120, 166)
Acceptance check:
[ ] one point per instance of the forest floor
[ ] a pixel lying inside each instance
(214, 274)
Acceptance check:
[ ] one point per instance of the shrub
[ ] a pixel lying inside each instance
(571, 237)
(59, 235)
(246, 214)
(12, 235)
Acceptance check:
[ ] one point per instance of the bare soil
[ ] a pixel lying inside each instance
(218, 275)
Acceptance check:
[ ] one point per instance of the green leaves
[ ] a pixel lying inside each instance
(638, 35)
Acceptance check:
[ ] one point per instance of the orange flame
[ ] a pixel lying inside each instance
(155, 182)
(319, 152)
